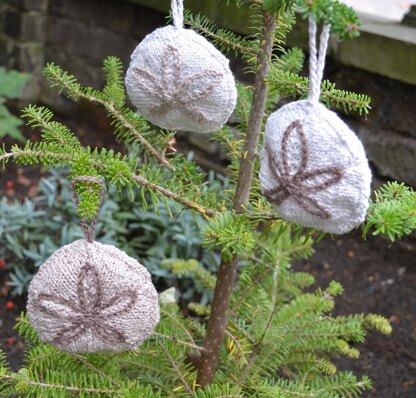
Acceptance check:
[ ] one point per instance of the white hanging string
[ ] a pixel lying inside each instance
(177, 13)
(317, 62)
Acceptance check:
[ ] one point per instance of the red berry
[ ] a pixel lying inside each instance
(9, 184)
(9, 341)
(9, 305)
(2, 263)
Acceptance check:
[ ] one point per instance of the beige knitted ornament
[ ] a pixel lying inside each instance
(313, 167)
(91, 297)
(179, 81)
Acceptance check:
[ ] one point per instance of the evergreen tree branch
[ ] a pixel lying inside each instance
(171, 195)
(178, 371)
(57, 387)
(31, 153)
(51, 156)
(173, 338)
(222, 38)
(228, 269)
(132, 129)
(91, 366)
(257, 348)
(288, 83)
(393, 212)
(178, 323)
(68, 82)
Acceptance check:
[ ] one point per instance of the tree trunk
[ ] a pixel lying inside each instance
(218, 319)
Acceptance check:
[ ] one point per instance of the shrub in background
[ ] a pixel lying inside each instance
(161, 238)
(11, 85)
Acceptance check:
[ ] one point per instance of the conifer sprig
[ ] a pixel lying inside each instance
(288, 83)
(225, 40)
(393, 212)
(343, 20)
(121, 117)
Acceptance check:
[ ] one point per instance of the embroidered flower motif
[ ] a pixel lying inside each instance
(301, 184)
(174, 89)
(89, 312)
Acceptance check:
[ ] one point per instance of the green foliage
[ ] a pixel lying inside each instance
(231, 233)
(288, 83)
(281, 339)
(162, 238)
(52, 132)
(393, 212)
(275, 329)
(11, 85)
(343, 20)
(225, 40)
(31, 231)
(291, 60)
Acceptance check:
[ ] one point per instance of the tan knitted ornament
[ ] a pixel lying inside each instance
(179, 81)
(313, 167)
(91, 297)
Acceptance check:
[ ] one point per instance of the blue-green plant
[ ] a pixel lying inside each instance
(31, 231)
(11, 85)
(160, 238)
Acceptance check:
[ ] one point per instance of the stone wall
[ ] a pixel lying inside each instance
(389, 130)
(79, 34)
(22, 38)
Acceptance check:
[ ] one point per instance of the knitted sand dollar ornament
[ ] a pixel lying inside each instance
(179, 81)
(313, 167)
(91, 297)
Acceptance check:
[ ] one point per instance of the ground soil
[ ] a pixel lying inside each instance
(378, 277)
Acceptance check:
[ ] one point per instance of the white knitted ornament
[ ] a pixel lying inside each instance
(313, 167)
(91, 297)
(179, 81)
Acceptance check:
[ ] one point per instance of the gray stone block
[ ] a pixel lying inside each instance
(29, 5)
(393, 155)
(116, 16)
(29, 57)
(13, 24)
(79, 66)
(91, 43)
(6, 48)
(25, 26)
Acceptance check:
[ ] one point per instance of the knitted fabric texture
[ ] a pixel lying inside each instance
(314, 169)
(91, 297)
(179, 81)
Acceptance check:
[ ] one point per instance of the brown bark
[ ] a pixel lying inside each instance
(228, 269)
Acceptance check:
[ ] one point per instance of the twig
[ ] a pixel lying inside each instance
(62, 387)
(172, 338)
(180, 325)
(206, 32)
(256, 348)
(254, 283)
(6, 156)
(119, 116)
(149, 147)
(25, 152)
(171, 195)
(89, 365)
(178, 371)
(218, 319)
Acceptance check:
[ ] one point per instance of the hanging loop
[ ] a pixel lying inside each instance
(177, 13)
(88, 230)
(317, 61)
